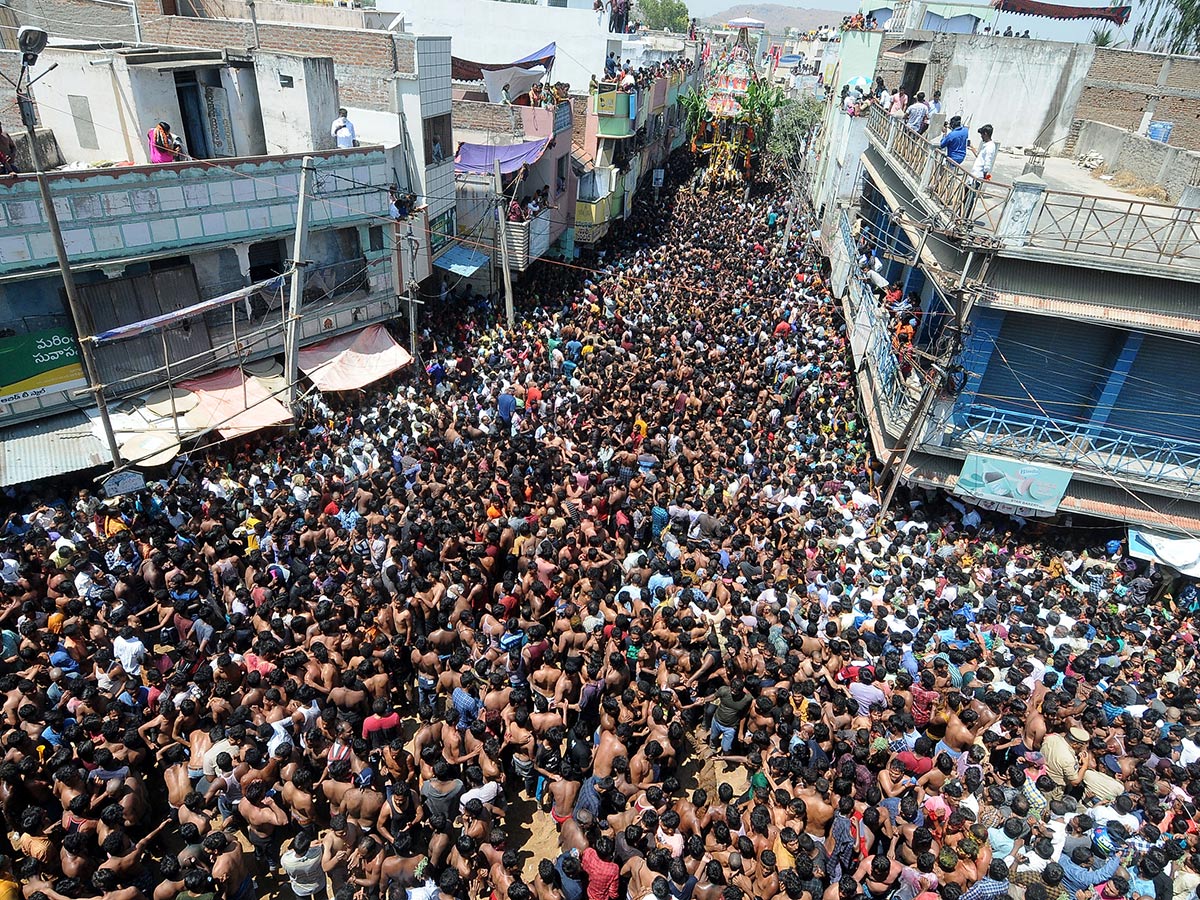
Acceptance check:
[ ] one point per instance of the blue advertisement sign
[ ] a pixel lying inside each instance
(1011, 485)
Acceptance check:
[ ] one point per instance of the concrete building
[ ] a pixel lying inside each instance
(1053, 308)
(620, 139)
(204, 245)
(395, 85)
(484, 125)
(494, 30)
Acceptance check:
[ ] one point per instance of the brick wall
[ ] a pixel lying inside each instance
(363, 60)
(472, 115)
(79, 19)
(1121, 85)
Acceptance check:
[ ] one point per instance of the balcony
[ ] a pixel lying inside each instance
(117, 213)
(592, 212)
(616, 112)
(528, 241)
(540, 122)
(1110, 452)
(1032, 218)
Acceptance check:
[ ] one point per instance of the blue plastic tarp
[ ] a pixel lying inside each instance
(462, 260)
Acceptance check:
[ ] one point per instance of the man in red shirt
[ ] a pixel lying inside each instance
(381, 726)
(603, 874)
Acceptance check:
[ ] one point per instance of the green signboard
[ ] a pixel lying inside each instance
(38, 363)
(1011, 485)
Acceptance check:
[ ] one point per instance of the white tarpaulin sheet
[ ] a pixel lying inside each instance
(233, 404)
(351, 361)
(1180, 553)
(519, 81)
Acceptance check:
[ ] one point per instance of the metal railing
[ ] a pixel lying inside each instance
(1050, 220)
(1094, 448)
(1124, 229)
(869, 321)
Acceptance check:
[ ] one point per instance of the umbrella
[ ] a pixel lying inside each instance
(746, 22)
(859, 83)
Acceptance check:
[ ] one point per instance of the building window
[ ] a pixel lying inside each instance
(560, 173)
(437, 139)
(286, 81)
(375, 235)
(85, 128)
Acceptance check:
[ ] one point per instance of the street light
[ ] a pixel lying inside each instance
(31, 42)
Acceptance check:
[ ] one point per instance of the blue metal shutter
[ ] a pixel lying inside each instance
(1161, 395)
(1062, 363)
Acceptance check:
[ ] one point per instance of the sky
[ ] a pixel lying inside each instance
(1045, 29)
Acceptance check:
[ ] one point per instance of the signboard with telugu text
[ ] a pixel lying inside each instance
(39, 363)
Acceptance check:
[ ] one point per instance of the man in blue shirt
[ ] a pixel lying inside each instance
(955, 140)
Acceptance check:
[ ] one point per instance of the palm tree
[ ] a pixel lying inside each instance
(695, 110)
(1103, 37)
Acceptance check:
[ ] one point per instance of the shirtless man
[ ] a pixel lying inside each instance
(230, 868)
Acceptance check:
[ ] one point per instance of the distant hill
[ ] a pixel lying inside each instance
(778, 17)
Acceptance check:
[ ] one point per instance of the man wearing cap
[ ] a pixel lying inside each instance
(1066, 759)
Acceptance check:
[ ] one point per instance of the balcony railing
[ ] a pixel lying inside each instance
(1027, 217)
(870, 331)
(616, 111)
(115, 213)
(528, 241)
(1108, 451)
(592, 212)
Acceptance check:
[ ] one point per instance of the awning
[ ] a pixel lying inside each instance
(233, 404)
(519, 81)
(351, 361)
(746, 22)
(48, 447)
(462, 260)
(1180, 553)
(480, 158)
(466, 70)
(189, 312)
(1118, 15)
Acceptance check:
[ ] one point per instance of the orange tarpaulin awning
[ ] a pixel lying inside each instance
(351, 361)
(233, 404)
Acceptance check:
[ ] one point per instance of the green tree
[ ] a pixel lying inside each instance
(795, 124)
(1169, 26)
(663, 15)
(1103, 37)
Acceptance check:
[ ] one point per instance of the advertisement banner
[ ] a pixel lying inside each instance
(1011, 485)
(39, 363)
(606, 103)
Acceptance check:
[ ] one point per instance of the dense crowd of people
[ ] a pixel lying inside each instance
(640, 528)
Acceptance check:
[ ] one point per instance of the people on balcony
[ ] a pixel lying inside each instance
(342, 131)
(985, 156)
(955, 139)
(165, 147)
(917, 114)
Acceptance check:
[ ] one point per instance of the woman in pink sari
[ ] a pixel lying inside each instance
(164, 146)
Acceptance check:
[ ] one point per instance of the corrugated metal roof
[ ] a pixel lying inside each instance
(1091, 312)
(1131, 295)
(1105, 501)
(47, 447)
